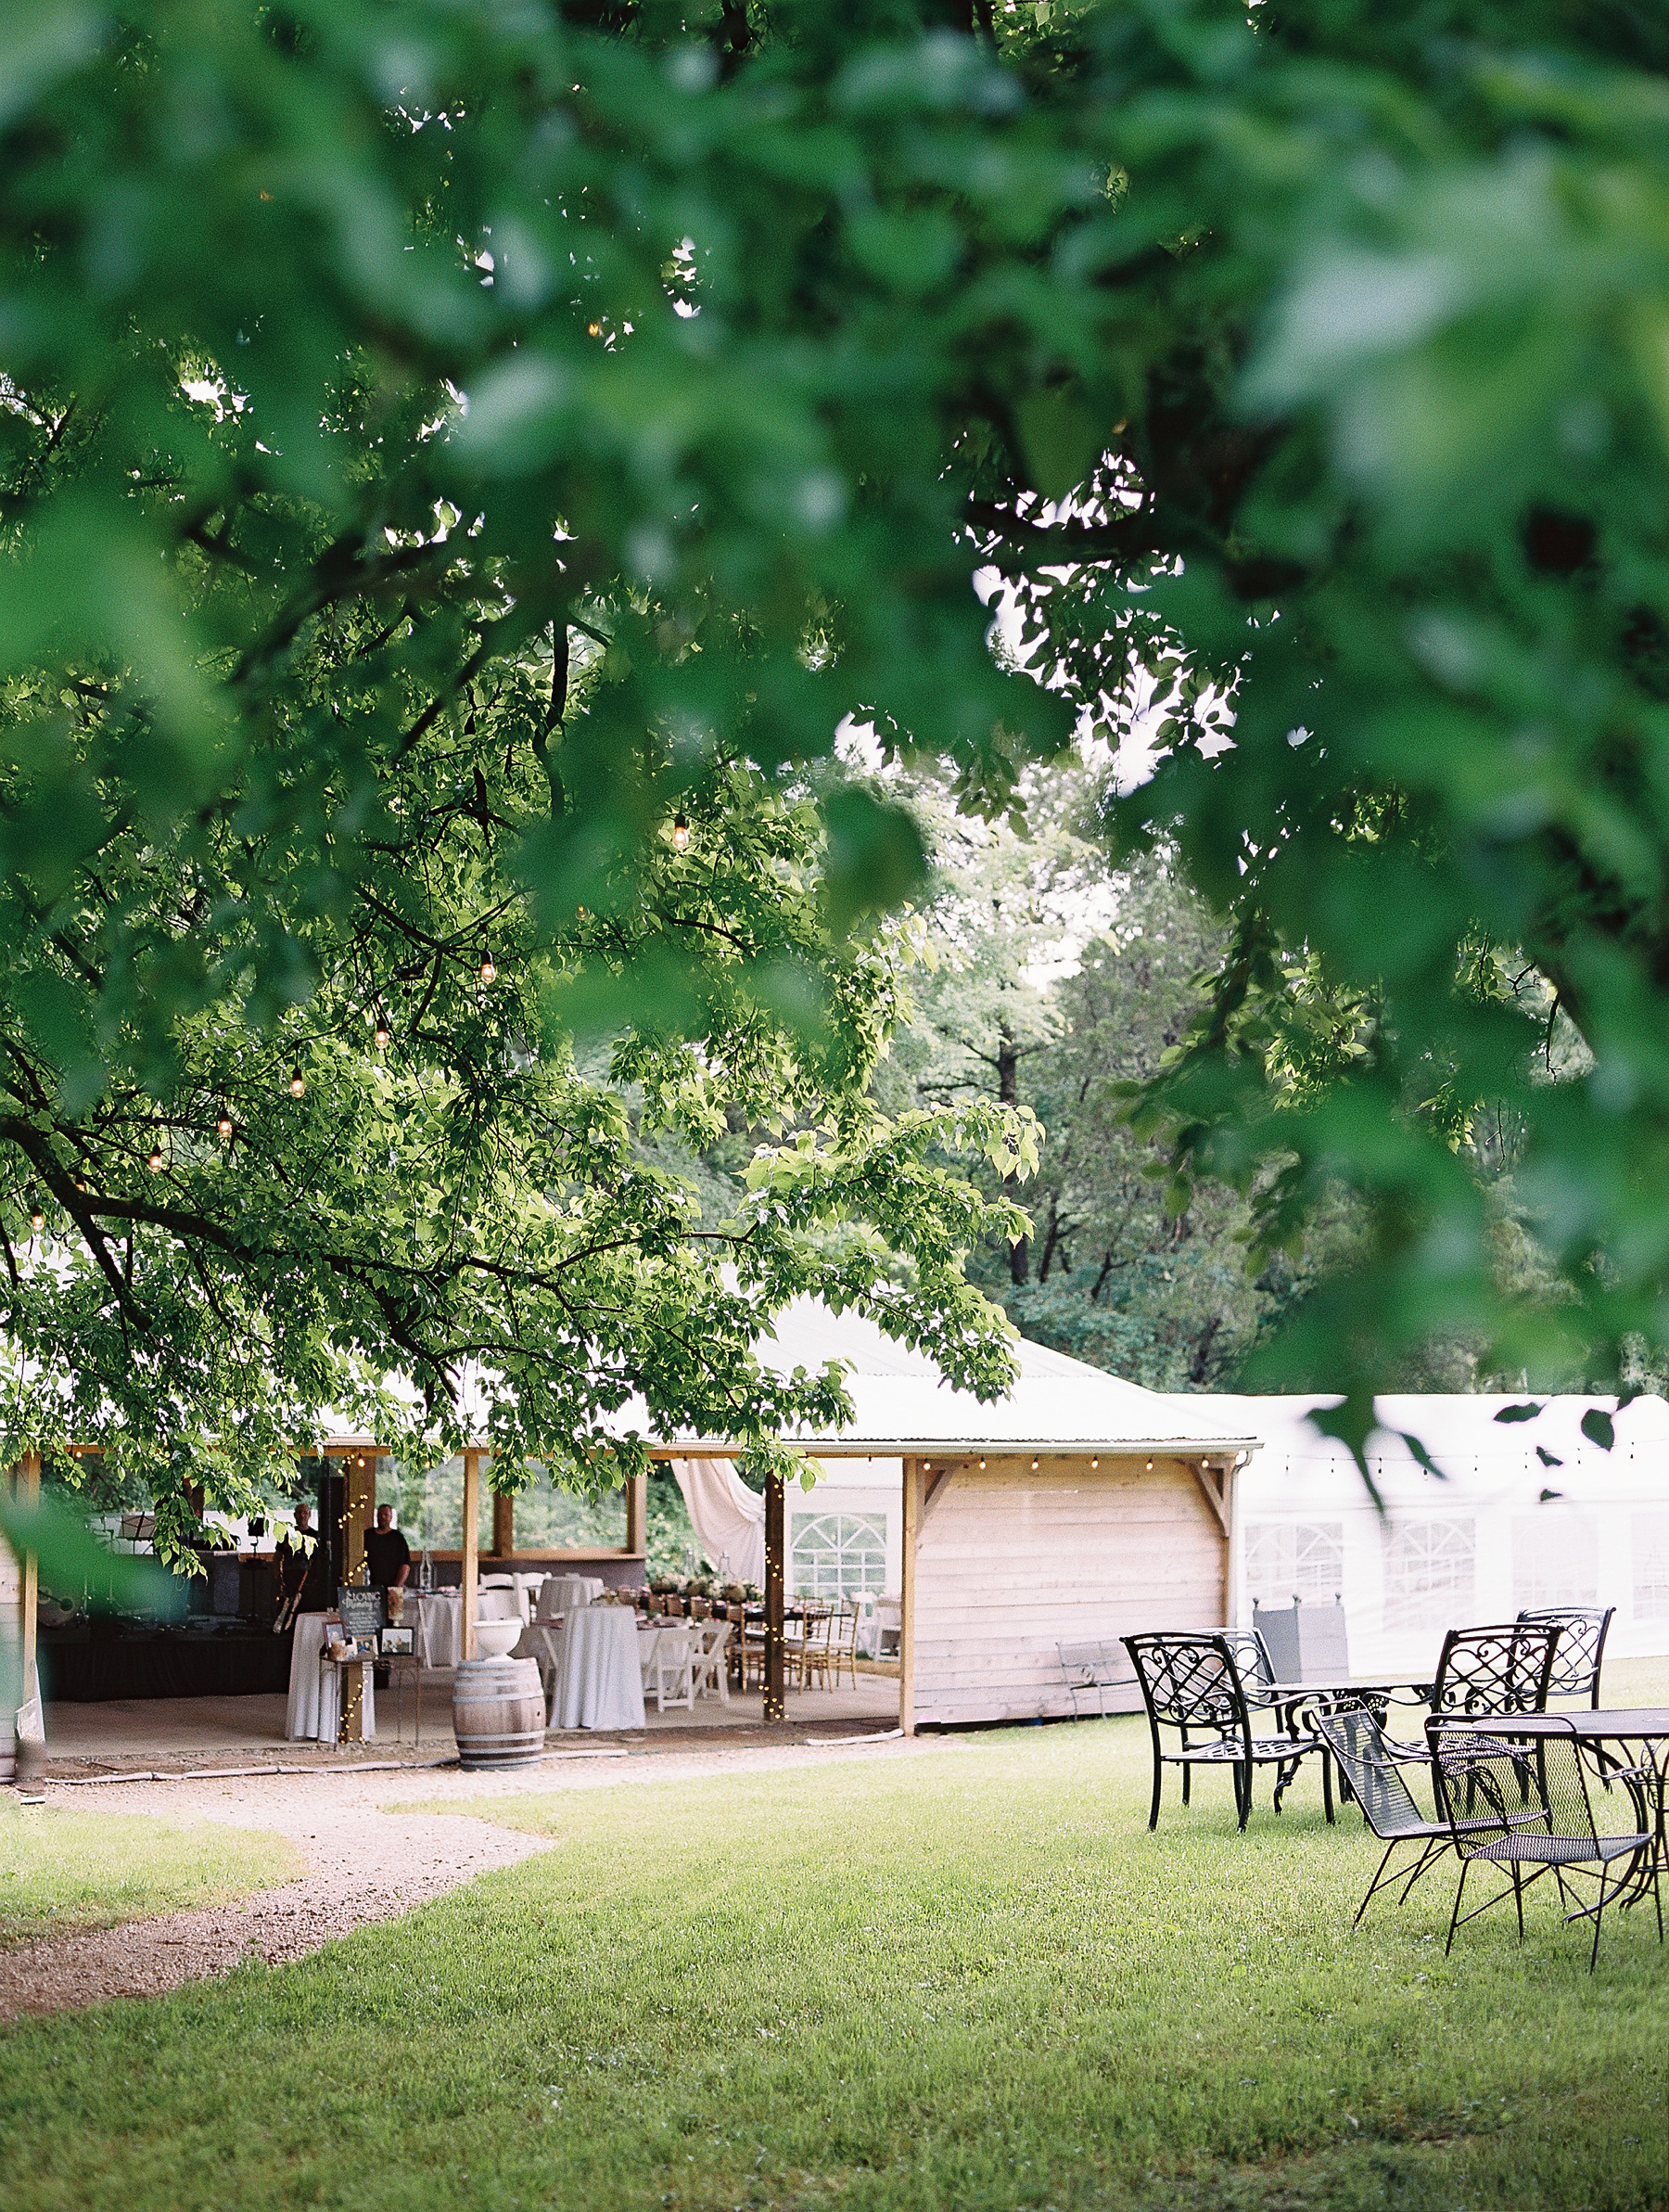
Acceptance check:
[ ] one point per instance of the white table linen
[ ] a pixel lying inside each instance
(314, 1712)
(439, 1625)
(563, 1593)
(598, 1683)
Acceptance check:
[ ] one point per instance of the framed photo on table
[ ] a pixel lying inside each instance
(396, 1642)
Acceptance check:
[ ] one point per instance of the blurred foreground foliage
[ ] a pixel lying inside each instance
(461, 469)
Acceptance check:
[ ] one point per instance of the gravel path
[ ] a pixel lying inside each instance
(365, 1863)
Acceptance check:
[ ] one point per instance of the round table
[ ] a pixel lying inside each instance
(598, 1682)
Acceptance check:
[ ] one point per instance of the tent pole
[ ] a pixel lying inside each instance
(472, 1550)
(775, 1705)
(637, 1514)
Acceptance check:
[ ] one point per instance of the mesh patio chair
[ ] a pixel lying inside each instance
(1581, 1651)
(1528, 1813)
(1504, 1667)
(1354, 1733)
(1191, 1683)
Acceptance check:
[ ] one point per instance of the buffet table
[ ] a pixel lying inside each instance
(599, 1683)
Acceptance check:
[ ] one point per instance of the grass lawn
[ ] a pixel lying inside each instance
(61, 1867)
(969, 1979)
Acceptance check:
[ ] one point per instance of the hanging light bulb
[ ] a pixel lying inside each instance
(154, 1162)
(297, 1083)
(223, 1125)
(37, 1220)
(488, 973)
(381, 1034)
(681, 832)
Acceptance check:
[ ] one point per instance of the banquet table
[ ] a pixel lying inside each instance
(314, 1713)
(562, 1594)
(440, 1626)
(598, 1680)
(439, 1621)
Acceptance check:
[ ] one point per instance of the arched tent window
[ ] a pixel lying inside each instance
(1289, 1559)
(837, 1554)
(1650, 1534)
(1430, 1570)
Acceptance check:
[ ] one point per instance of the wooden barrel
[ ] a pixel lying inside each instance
(498, 1712)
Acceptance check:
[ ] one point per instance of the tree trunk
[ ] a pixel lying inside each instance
(1008, 1091)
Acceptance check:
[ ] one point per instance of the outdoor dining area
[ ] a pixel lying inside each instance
(604, 1656)
(1525, 1772)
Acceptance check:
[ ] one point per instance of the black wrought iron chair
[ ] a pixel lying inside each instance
(1504, 1667)
(1190, 1683)
(1250, 1656)
(1581, 1650)
(1353, 1730)
(1527, 1812)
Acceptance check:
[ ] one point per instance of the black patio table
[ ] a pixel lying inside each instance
(1289, 1698)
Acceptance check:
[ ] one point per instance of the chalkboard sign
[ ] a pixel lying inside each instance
(362, 1612)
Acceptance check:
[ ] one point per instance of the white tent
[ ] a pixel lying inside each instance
(901, 1405)
(1503, 1525)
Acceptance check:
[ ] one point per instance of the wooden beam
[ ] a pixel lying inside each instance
(1213, 1488)
(359, 1506)
(504, 1524)
(914, 1483)
(472, 1550)
(637, 1515)
(776, 1706)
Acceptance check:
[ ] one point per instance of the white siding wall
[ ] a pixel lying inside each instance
(1010, 1563)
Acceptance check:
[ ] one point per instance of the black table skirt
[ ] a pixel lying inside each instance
(164, 1666)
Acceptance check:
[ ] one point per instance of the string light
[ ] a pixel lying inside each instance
(1095, 1462)
(1034, 1466)
(223, 1125)
(381, 1034)
(593, 330)
(297, 1083)
(37, 1220)
(681, 832)
(155, 1162)
(488, 973)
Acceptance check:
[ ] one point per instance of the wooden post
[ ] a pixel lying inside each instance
(29, 1579)
(775, 1705)
(358, 1504)
(503, 1525)
(637, 1514)
(472, 1550)
(912, 1528)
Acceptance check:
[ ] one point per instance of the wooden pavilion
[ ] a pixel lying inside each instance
(1077, 1508)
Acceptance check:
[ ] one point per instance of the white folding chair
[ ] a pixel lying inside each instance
(668, 1667)
(709, 1660)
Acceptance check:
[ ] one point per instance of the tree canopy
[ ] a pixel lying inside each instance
(462, 468)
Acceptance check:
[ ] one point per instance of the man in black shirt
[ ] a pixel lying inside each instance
(387, 1554)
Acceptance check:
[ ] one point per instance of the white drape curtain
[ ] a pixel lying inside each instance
(728, 1518)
